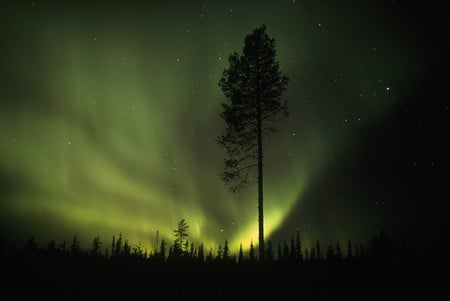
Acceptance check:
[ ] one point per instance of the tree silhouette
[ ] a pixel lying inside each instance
(209, 257)
(251, 253)
(349, 250)
(75, 247)
(186, 248)
(330, 253)
(31, 247)
(219, 253)
(254, 84)
(62, 247)
(226, 251)
(96, 245)
(117, 251)
(170, 256)
(313, 256)
(292, 251)
(318, 251)
(381, 246)
(180, 235)
(201, 253)
(338, 251)
(113, 245)
(156, 241)
(241, 254)
(51, 247)
(138, 251)
(192, 250)
(126, 250)
(298, 247)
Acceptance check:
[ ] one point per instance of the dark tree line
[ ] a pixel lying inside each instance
(187, 268)
(184, 251)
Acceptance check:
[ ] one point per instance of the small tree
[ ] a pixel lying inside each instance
(162, 250)
(96, 245)
(298, 247)
(113, 245)
(209, 257)
(186, 248)
(192, 250)
(251, 254)
(330, 253)
(179, 245)
(318, 251)
(31, 247)
(201, 253)
(312, 256)
(156, 241)
(226, 252)
(280, 254)
(126, 251)
(75, 247)
(241, 254)
(338, 251)
(219, 253)
(117, 251)
(180, 235)
(138, 251)
(292, 253)
(349, 250)
(51, 247)
(62, 247)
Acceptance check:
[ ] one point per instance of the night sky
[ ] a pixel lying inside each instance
(109, 113)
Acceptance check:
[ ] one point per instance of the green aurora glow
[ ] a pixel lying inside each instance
(109, 114)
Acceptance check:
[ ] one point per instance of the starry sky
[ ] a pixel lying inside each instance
(109, 112)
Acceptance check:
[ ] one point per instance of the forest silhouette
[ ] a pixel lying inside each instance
(120, 268)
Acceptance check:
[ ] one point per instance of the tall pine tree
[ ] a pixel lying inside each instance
(253, 84)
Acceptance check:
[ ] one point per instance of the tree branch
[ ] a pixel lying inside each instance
(238, 170)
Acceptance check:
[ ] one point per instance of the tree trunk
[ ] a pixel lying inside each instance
(260, 190)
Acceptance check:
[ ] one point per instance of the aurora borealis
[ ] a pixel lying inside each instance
(109, 113)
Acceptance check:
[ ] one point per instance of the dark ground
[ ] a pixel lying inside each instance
(77, 278)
